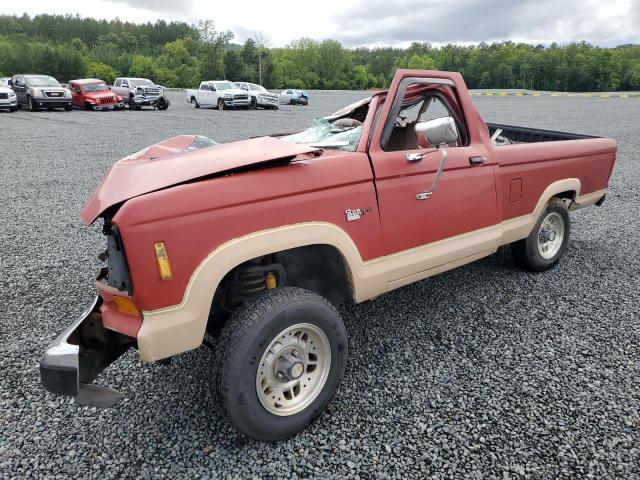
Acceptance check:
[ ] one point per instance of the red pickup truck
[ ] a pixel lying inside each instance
(247, 246)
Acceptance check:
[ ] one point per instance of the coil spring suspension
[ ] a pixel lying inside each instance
(249, 280)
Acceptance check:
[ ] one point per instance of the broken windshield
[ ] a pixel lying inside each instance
(343, 134)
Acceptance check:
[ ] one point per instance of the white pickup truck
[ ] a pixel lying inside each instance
(260, 96)
(218, 93)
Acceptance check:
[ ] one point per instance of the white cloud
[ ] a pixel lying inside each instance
(379, 22)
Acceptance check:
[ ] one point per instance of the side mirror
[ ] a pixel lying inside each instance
(439, 131)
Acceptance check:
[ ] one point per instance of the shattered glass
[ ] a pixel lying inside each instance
(327, 135)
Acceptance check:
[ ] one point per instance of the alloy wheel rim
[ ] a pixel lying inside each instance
(293, 369)
(550, 235)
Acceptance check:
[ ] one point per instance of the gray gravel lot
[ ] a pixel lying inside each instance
(483, 372)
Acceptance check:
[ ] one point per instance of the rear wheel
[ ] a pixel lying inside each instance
(220, 104)
(278, 363)
(548, 240)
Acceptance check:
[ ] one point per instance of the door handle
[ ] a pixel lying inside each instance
(413, 157)
(476, 160)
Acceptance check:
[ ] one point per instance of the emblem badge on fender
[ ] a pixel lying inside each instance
(356, 213)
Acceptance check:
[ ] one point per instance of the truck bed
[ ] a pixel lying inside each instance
(533, 135)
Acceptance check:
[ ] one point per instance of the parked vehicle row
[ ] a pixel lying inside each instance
(223, 94)
(35, 92)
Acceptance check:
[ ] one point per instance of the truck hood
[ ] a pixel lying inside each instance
(179, 160)
(234, 91)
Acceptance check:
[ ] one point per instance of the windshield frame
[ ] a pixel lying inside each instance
(97, 84)
(141, 82)
(217, 83)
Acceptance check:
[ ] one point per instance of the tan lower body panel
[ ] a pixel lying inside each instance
(179, 328)
(588, 200)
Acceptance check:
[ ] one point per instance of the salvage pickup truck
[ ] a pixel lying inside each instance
(141, 92)
(247, 247)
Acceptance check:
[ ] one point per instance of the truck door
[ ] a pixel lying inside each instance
(76, 95)
(206, 96)
(20, 87)
(459, 218)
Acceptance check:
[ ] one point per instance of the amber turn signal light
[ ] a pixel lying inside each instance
(126, 305)
(164, 267)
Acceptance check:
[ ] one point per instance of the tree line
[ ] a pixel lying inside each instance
(176, 54)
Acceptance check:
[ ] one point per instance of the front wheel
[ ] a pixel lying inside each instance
(548, 240)
(163, 104)
(254, 103)
(278, 363)
(194, 103)
(30, 105)
(220, 104)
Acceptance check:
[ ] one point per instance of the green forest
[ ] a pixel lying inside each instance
(176, 54)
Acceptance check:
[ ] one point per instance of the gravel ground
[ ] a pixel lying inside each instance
(482, 372)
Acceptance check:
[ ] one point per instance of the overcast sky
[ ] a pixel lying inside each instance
(378, 22)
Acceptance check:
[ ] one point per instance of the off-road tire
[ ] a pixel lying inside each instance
(526, 253)
(241, 345)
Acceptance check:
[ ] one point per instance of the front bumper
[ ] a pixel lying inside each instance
(48, 102)
(267, 102)
(8, 103)
(107, 106)
(80, 353)
(233, 103)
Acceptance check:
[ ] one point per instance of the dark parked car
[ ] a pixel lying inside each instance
(40, 91)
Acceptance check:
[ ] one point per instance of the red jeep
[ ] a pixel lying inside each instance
(94, 94)
(253, 242)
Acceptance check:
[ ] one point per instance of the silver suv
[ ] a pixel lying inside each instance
(40, 91)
